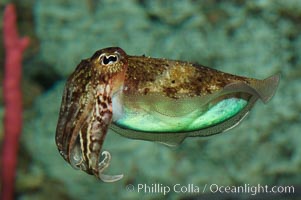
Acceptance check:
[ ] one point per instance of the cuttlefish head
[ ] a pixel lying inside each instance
(86, 111)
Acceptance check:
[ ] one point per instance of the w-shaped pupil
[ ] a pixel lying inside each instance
(110, 59)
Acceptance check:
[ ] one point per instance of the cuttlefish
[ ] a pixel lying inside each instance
(150, 99)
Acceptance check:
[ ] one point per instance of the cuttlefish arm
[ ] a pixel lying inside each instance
(86, 112)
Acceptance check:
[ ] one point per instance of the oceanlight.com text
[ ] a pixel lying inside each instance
(159, 188)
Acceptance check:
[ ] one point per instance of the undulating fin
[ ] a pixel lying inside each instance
(169, 139)
(266, 88)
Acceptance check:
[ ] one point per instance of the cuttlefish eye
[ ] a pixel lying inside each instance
(108, 59)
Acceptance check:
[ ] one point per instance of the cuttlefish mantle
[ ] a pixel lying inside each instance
(150, 99)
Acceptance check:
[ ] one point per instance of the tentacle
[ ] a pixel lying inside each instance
(105, 163)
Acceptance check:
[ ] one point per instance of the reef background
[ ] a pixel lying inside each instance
(251, 38)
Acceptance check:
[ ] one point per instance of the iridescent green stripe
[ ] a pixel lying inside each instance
(198, 119)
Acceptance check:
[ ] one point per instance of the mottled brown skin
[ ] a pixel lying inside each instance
(174, 78)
